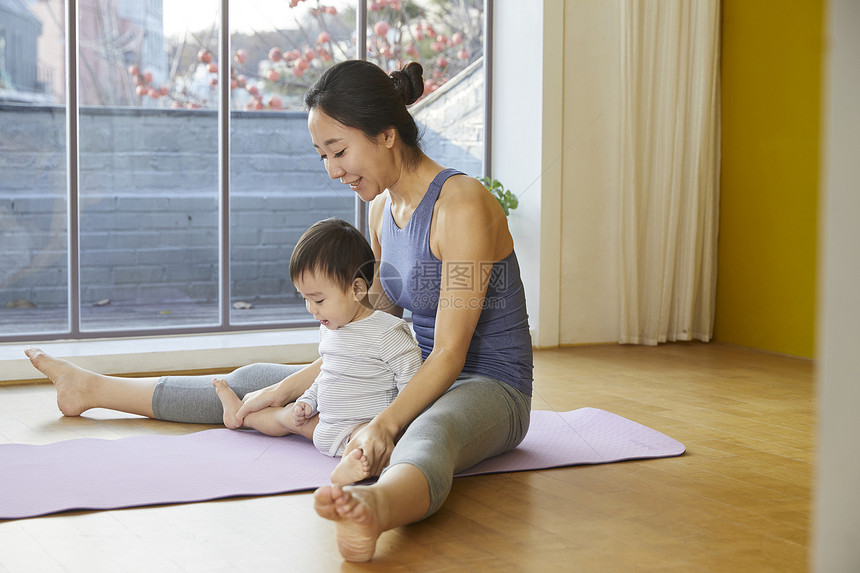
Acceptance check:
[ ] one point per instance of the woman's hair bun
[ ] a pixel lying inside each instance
(409, 81)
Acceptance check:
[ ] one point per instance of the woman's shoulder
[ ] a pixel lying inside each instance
(468, 216)
(463, 196)
(462, 182)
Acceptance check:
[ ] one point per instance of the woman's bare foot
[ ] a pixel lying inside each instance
(74, 384)
(229, 401)
(356, 512)
(353, 467)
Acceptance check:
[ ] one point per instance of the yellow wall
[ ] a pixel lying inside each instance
(771, 77)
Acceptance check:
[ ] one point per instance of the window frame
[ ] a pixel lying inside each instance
(73, 213)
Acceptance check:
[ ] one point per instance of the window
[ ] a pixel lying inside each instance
(166, 193)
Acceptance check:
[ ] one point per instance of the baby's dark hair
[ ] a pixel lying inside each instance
(361, 95)
(335, 249)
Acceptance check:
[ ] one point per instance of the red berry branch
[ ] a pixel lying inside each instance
(444, 39)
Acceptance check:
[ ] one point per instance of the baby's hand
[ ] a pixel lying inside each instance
(302, 412)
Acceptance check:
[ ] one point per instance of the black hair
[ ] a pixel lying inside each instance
(361, 95)
(335, 249)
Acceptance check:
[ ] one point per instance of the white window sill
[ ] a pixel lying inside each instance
(166, 354)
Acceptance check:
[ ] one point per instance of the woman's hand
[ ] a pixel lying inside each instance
(280, 394)
(256, 401)
(376, 443)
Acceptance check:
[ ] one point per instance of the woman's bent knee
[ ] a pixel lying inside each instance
(476, 419)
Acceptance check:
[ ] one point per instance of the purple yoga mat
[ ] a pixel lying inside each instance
(212, 464)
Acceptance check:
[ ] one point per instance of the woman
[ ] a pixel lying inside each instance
(447, 255)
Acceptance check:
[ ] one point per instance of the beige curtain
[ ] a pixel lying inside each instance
(669, 169)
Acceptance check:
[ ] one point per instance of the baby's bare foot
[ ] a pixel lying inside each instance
(355, 511)
(353, 467)
(229, 401)
(74, 384)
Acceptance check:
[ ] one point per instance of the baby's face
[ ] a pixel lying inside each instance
(327, 301)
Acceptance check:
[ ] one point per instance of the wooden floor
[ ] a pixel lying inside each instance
(738, 501)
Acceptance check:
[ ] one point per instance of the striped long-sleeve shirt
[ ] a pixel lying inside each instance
(364, 365)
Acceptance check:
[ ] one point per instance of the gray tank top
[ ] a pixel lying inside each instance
(411, 276)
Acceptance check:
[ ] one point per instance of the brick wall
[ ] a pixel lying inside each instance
(149, 197)
(149, 203)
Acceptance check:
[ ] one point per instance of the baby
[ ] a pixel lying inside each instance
(367, 355)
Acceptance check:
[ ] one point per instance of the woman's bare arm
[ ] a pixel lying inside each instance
(282, 393)
(465, 235)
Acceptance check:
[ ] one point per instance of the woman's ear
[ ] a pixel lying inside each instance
(388, 137)
(359, 290)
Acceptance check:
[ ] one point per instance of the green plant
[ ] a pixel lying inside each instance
(506, 199)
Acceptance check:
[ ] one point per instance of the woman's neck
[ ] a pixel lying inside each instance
(413, 182)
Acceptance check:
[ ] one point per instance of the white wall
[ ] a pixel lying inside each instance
(526, 132)
(555, 125)
(836, 532)
(590, 255)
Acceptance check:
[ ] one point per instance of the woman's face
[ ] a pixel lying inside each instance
(349, 155)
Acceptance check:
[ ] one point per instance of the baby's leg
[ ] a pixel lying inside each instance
(270, 421)
(353, 467)
(229, 401)
(284, 417)
(190, 399)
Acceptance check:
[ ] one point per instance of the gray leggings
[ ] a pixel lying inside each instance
(192, 399)
(477, 418)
